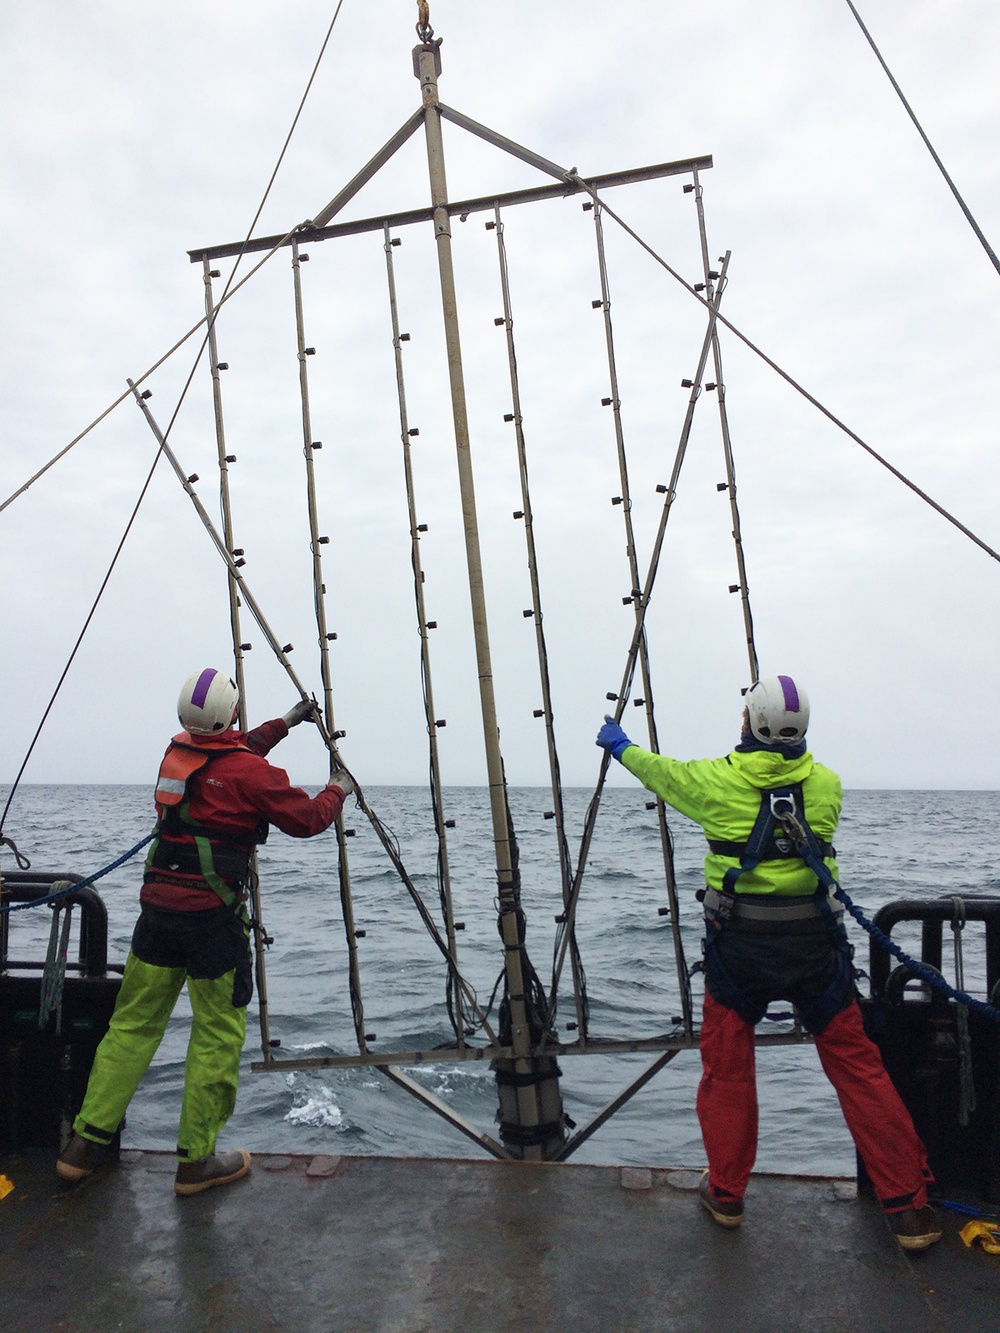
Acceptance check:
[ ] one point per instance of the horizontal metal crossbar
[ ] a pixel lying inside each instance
(308, 235)
(452, 1055)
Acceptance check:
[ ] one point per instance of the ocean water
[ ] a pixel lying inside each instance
(891, 844)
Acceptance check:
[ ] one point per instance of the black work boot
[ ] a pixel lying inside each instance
(916, 1228)
(80, 1157)
(219, 1169)
(727, 1212)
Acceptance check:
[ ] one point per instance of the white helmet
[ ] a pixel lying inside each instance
(778, 710)
(207, 702)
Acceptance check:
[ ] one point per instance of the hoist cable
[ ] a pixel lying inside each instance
(141, 379)
(319, 608)
(565, 861)
(79, 639)
(581, 184)
(927, 143)
(384, 834)
(666, 840)
(208, 321)
(638, 636)
(230, 289)
(460, 1018)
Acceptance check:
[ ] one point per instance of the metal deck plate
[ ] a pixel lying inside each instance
(406, 1244)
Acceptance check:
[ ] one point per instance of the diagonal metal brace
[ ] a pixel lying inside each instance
(444, 1110)
(508, 145)
(366, 173)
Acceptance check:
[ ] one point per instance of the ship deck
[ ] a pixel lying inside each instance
(399, 1245)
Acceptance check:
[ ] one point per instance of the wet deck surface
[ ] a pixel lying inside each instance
(405, 1244)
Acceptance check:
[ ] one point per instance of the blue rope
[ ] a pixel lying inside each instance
(81, 884)
(926, 974)
(809, 850)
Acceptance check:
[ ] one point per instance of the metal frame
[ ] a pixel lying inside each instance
(523, 1057)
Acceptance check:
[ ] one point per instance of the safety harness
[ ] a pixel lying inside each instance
(220, 857)
(780, 832)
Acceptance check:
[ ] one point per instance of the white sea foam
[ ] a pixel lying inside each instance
(318, 1111)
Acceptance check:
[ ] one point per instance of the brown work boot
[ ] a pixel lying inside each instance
(916, 1228)
(80, 1157)
(219, 1169)
(727, 1212)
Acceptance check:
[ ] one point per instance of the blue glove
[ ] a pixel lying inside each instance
(612, 738)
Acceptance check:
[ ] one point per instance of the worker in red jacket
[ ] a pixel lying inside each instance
(216, 796)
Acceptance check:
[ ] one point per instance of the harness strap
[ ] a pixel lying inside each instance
(738, 849)
(798, 909)
(210, 853)
(776, 805)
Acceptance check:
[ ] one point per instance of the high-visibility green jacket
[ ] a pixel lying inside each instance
(723, 796)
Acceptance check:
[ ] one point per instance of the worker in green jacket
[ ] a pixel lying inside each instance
(772, 933)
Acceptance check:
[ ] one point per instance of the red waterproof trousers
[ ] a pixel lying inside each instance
(880, 1124)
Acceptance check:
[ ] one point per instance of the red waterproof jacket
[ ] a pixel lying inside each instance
(231, 799)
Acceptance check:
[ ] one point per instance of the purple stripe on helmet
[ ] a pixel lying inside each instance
(200, 692)
(791, 694)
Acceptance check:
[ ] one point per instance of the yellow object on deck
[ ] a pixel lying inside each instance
(987, 1232)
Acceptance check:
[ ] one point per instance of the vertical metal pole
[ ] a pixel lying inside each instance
(666, 842)
(319, 595)
(426, 66)
(727, 446)
(456, 1003)
(565, 864)
(260, 934)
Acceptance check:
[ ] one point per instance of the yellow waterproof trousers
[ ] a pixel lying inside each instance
(211, 1071)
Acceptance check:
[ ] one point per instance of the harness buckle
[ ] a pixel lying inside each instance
(784, 814)
(782, 805)
(724, 907)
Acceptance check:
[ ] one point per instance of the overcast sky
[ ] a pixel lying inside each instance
(133, 134)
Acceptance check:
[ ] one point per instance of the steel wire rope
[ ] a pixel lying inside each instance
(319, 607)
(565, 861)
(666, 839)
(228, 292)
(461, 1019)
(638, 635)
(132, 391)
(79, 640)
(209, 321)
(577, 180)
(382, 832)
(927, 143)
